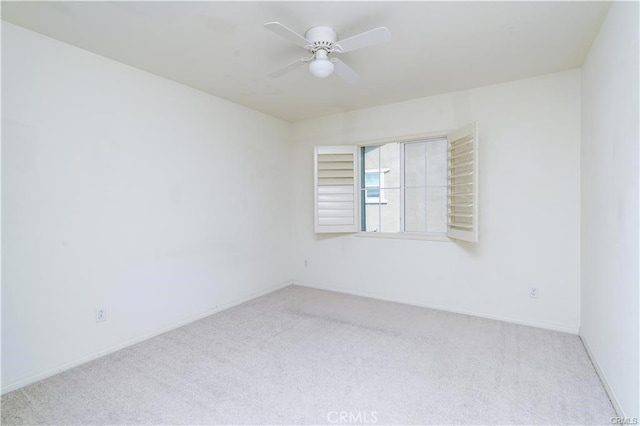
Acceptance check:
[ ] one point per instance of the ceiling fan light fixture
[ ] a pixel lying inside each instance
(321, 68)
(322, 42)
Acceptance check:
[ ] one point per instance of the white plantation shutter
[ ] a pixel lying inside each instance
(336, 191)
(462, 184)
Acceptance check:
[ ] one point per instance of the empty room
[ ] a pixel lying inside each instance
(320, 212)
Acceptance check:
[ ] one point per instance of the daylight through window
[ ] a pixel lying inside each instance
(404, 187)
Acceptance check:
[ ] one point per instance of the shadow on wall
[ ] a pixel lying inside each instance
(472, 249)
(321, 237)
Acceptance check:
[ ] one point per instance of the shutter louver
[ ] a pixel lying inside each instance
(335, 189)
(462, 184)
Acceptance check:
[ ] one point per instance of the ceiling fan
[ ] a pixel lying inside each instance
(321, 44)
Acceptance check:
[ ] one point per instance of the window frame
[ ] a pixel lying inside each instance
(401, 234)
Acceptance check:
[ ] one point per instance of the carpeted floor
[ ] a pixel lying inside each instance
(303, 356)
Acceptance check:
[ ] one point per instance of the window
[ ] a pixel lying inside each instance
(422, 187)
(414, 191)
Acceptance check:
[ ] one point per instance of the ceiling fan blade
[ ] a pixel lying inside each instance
(344, 71)
(365, 39)
(287, 33)
(288, 68)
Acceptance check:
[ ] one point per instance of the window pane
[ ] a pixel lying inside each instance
(390, 165)
(415, 210)
(371, 157)
(437, 162)
(437, 209)
(425, 195)
(414, 164)
(390, 212)
(371, 218)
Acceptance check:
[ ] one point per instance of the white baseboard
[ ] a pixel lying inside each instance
(603, 379)
(546, 326)
(53, 371)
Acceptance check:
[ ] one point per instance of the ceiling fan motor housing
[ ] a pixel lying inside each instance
(322, 42)
(322, 38)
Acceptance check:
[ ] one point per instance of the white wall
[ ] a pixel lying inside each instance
(529, 207)
(124, 190)
(610, 138)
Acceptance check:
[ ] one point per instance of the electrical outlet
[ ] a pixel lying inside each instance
(306, 263)
(101, 314)
(533, 292)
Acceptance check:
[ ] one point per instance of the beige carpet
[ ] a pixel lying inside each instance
(302, 356)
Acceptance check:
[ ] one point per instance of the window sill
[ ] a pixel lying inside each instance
(404, 236)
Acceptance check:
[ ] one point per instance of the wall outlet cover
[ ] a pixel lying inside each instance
(101, 314)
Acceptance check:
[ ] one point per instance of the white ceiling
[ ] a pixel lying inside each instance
(222, 47)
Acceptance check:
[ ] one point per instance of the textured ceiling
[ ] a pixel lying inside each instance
(222, 47)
